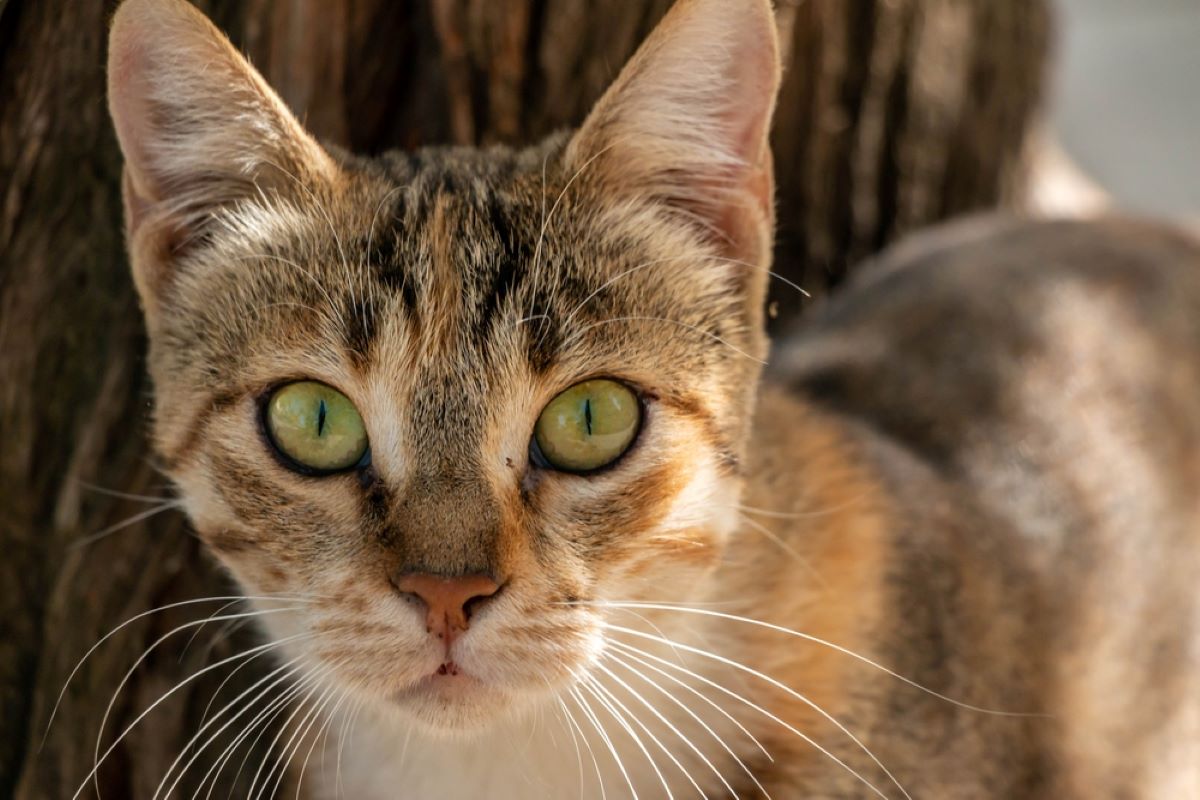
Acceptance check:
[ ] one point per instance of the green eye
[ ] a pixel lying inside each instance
(316, 426)
(588, 426)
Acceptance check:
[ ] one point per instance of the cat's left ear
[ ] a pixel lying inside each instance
(201, 132)
(686, 123)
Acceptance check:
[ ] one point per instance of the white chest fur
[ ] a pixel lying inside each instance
(543, 754)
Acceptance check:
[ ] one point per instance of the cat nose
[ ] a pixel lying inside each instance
(449, 601)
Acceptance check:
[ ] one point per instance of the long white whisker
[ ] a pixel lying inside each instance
(591, 717)
(263, 719)
(683, 707)
(200, 627)
(93, 776)
(741, 667)
(537, 250)
(574, 741)
(693, 690)
(295, 738)
(223, 633)
(167, 505)
(604, 698)
(323, 731)
(815, 640)
(272, 679)
(148, 499)
(347, 729)
(62, 692)
(673, 728)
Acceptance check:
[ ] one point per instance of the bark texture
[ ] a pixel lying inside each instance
(894, 114)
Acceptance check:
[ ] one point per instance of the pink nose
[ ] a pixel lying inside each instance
(449, 602)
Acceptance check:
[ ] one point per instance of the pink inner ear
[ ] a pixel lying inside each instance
(755, 84)
(687, 119)
(127, 92)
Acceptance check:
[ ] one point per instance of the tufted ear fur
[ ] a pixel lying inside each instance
(200, 131)
(686, 122)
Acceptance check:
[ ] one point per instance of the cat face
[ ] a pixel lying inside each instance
(431, 309)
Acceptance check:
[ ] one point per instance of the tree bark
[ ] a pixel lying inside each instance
(894, 114)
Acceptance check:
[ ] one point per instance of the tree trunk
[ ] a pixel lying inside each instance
(894, 114)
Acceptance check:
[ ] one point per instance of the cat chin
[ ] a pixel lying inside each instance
(454, 707)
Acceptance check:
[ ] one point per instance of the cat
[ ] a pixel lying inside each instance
(485, 437)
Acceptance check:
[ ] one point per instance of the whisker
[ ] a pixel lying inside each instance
(321, 208)
(754, 705)
(200, 627)
(604, 698)
(574, 740)
(537, 250)
(272, 679)
(321, 314)
(99, 759)
(683, 707)
(684, 685)
(264, 718)
(330, 694)
(582, 702)
(693, 328)
(821, 512)
(334, 308)
(778, 685)
(347, 730)
(62, 692)
(168, 505)
(149, 499)
(673, 728)
(672, 259)
(775, 539)
(225, 631)
(815, 640)
(293, 744)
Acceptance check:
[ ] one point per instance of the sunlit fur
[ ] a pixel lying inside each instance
(450, 294)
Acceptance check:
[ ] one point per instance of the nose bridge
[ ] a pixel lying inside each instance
(447, 524)
(446, 518)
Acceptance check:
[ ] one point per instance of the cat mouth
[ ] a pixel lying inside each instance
(448, 681)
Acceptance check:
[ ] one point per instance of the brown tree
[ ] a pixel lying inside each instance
(894, 114)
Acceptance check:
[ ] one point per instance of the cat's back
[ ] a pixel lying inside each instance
(1001, 349)
(1048, 375)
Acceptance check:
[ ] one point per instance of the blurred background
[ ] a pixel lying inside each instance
(1124, 100)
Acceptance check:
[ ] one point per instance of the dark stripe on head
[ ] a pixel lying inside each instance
(543, 334)
(387, 265)
(358, 329)
(511, 264)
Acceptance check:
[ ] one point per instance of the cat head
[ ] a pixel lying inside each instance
(431, 408)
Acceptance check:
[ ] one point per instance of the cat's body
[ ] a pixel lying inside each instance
(1026, 395)
(977, 466)
(972, 469)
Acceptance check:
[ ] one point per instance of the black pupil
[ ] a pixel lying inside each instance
(587, 414)
(321, 417)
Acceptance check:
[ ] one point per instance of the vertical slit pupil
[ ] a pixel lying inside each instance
(321, 418)
(587, 414)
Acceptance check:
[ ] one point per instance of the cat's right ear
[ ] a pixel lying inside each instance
(201, 132)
